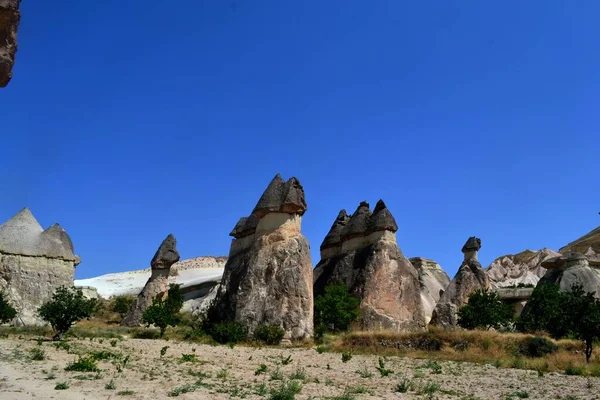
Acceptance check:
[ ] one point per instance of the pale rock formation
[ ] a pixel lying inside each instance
(588, 245)
(361, 252)
(33, 263)
(433, 281)
(9, 23)
(573, 268)
(268, 275)
(521, 268)
(470, 277)
(158, 284)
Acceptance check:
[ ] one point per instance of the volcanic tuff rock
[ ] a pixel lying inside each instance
(9, 23)
(470, 277)
(33, 263)
(433, 280)
(361, 252)
(268, 275)
(572, 268)
(165, 256)
(588, 245)
(522, 268)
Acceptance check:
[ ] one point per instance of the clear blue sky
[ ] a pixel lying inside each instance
(128, 120)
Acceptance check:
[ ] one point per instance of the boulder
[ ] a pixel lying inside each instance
(521, 268)
(9, 23)
(33, 263)
(433, 281)
(470, 277)
(157, 285)
(361, 252)
(268, 275)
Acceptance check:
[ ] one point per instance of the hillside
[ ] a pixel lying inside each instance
(588, 244)
(523, 267)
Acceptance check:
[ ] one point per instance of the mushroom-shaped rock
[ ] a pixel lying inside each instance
(293, 200)
(358, 223)
(9, 23)
(54, 242)
(281, 196)
(246, 226)
(334, 238)
(20, 234)
(161, 263)
(472, 244)
(382, 219)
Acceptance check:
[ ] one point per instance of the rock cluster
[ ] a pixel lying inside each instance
(33, 263)
(470, 277)
(9, 22)
(268, 274)
(158, 284)
(361, 252)
(573, 268)
(433, 281)
(521, 268)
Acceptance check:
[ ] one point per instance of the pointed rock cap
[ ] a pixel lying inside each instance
(246, 226)
(20, 234)
(473, 244)
(334, 237)
(382, 219)
(281, 196)
(166, 255)
(358, 223)
(54, 242)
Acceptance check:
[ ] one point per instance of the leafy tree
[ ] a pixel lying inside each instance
(68, 306)
(542, 312)
(485, 310)
(121, 305)
(336, 309)
(163, 313)
(7, 312)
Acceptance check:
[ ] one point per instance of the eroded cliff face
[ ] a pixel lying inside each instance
(268, 275)
(470, 277)
(588, 245)
(9, 23)
(361, 251)
(433, 281)
(33, 263)
(522, 268)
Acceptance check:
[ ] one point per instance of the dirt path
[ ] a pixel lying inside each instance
(219, 372)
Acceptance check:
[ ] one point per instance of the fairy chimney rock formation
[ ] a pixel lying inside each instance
(9, 23)
(158, 284)
(268, 275)
(470, 277)
(573, 268)
(33, 263)
(361, 252)
(433, 281)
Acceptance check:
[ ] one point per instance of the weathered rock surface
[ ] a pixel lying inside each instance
(158, 284)
(573, 268)
(268, 275)
(361, 252)
(433, 281)
(470, 277)
(9, 23)
(33, 263)
(588, 245)
(521, 268)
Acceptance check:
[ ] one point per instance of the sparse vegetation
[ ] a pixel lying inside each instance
(121, 305)
(164, 313)
(383, 371)
(269, 334)
(485, 310)
(37, 354)
(287, 391)
(67, 307)
(227, 332)
(83, 364)
(346, 356)
(61, 386)
(7, 311)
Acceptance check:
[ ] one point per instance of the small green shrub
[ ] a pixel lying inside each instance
(573, 370)
(269, 334)
(321, 349)
(61, 386)
(84, 364)
(299, 374)
(62, 345)
(126, 393)
(176, 391)
(403, 386)
(276, 375)
(429, 388)
(434, 366)
(383, 371)
(121, 304)
(113, 342)
(164, 313)
(346, 356)
(364, 372)
(7, 312)
(188, 358)
(287, 391)
(111, 385)
(37, 354)
(262, 368)
(163, 350)
(536, 347)
(228, 332)
(287, 360)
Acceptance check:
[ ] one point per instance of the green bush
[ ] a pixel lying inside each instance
(228, 332)
(84, 364)
(68, 306)
(336, 309)
(269, 334)
(7, 312)
(121, 305)
(163, 313)
(536, 347)
(485, 310)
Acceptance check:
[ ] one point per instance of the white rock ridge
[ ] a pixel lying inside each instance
(521, 268)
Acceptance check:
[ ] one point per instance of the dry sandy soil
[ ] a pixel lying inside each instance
(230, 373)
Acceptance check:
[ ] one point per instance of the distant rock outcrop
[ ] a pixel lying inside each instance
(268, 275)
(523, 268)
(161, 263)
(470, 277)
(9, 23)
(588, 245)
(361, 252)
(433, 280)
(573, 268)
(33, 263)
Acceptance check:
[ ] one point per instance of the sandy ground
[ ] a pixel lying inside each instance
(230, 373)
